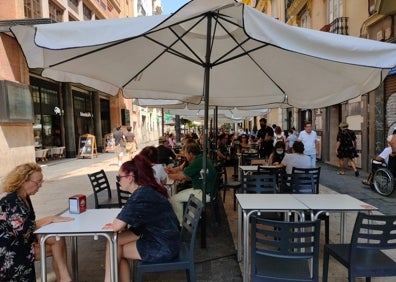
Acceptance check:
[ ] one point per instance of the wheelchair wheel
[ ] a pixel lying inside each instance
(383, 182)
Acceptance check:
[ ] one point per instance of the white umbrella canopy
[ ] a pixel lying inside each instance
(240, 56)
(217, 51)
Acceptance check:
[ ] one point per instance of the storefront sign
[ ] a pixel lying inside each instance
(86, 114)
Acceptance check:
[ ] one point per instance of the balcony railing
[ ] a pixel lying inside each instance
(339, 26)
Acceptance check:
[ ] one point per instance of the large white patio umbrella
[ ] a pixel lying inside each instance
(219, 51)
(238, 54)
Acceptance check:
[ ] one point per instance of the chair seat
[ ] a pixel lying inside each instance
(295, 270)
(364, 256)
(181, 262)
(185, 260)
(366, 260)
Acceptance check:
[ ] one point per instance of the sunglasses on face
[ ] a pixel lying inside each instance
(118, 177)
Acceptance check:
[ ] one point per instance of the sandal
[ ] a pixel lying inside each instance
(340, 172)
(365, 182)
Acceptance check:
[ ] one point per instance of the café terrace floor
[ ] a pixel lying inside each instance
(218, 261)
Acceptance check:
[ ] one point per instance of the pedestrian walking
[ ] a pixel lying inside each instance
(310, 140)
(119, 142)
(346, 148)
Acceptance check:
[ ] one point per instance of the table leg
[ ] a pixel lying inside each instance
(115, 256)
(74, 257)
(246, 217)
(43, 259)
(342, 228)
(239, 233)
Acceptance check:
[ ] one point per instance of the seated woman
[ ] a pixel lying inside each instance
(244, 143)
(297, 158)
(149, 230)
(19, 246)
(278, 154)
(151, 153)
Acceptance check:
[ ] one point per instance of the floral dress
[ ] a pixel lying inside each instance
(347, 148)
(17, 223)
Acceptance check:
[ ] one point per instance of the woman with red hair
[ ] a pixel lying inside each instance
(149, 229)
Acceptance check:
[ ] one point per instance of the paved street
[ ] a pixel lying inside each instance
(217, 262)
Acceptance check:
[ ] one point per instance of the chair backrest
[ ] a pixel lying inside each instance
(221, 170)
(246, 158)
(259, 184)
(99, 184)
(314, 171)
(287, 240)
(123, 196)
(302, 183)
(372, 232)
(191, 217)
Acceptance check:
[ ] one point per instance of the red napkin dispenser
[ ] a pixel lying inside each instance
(77, 203)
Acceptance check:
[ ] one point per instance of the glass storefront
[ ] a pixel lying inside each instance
(83, 114)
(47, 114)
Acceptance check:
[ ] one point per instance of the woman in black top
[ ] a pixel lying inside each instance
(278, 154)
(148, 225)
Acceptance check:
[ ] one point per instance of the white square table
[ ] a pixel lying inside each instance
(92, 222)
(342, 203)
(255, 203)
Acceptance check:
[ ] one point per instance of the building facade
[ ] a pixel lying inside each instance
(62, 112)
(371, 116)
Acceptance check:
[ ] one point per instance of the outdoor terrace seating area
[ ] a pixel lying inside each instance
(43, 155)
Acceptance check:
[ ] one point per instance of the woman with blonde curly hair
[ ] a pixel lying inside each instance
(18, 244)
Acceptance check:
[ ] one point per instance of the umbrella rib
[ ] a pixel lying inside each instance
(120, 42)
(170, 50)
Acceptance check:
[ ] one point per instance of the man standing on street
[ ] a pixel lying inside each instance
(266, 139)
(310, 141)
(119, 144)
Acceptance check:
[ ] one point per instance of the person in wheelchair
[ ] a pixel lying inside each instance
(380, 161)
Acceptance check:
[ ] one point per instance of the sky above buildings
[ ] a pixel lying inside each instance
(170, 6)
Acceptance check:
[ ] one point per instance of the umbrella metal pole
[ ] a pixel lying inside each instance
(205, 145)
(162, 122)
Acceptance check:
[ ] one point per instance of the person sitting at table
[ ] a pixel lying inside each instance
(223, 153)
(192, 172)
(244, 143)
(166, 155)
(151, 153)
(278, 154)
(19, 246)
(297, 158)
(149, 230)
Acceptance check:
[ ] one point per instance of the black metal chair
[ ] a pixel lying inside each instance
(259, 183)
(363, 256)
(234, 185)
(303, 182)
(246, 158)
(188, 232)
(100, 185)
(314, 171)
(123, 196)
(284, 251)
